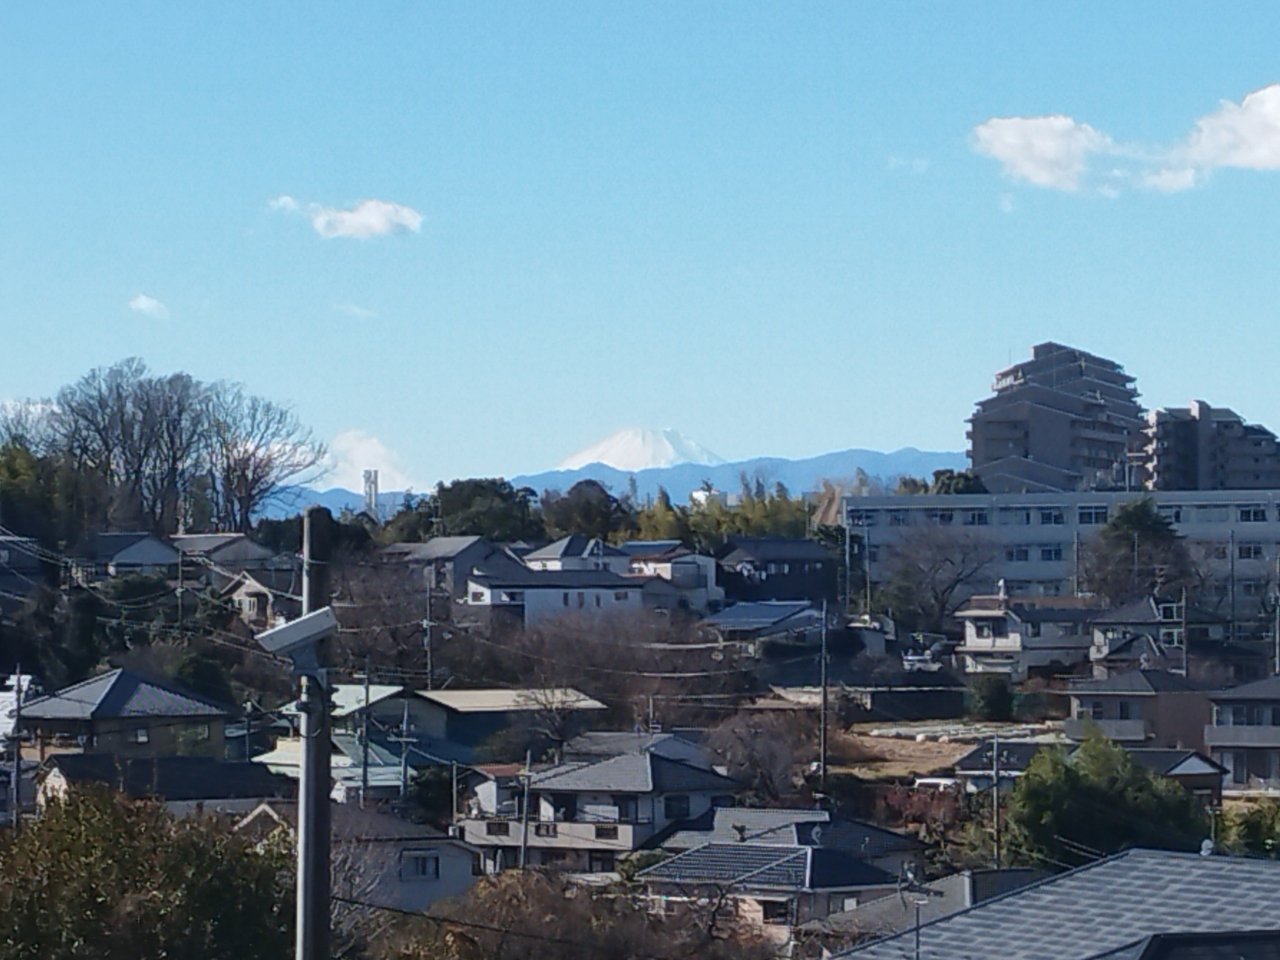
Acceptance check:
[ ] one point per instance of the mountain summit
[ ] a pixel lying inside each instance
(637, 448)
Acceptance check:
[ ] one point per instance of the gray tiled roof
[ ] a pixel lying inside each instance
(557, 579)
(574, 545)
(789, 828)
(120, 693)
(595, 744)
(1266, 689)
(758, 865)
(757, 614)
(437, 548)
(774, 548)
(1100, 907)
(1136, 681)
(631, 773)
(173, 778)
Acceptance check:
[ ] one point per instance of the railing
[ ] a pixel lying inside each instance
(1241, 736)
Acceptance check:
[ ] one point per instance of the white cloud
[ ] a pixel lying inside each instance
(1046, 151)
(368, 218)
(354, 451)
(149, 306)
(1056, 151)
(356, 311)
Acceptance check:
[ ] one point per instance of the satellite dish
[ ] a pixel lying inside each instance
(1206, 847)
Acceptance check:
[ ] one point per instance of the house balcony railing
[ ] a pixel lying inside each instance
(1241, 736)
(1122, 731)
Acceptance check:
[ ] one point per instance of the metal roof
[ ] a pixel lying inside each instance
(501, 700)
(763, 866)
(1101, 907)
(759, 614)
(120, 693)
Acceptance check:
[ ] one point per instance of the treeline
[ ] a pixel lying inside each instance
(123, 449)
(495, 509)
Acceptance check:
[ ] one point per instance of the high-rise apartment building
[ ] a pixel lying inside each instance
(1063, 420)
(1202, 448)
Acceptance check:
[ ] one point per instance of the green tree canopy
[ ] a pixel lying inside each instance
(1068, 810)
(488, 508)
(99, 877)
(1137, 554)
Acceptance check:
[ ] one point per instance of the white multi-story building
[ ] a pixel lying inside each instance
(1233, 536)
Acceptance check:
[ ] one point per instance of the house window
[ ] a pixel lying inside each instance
(141, 734)
(477, 596)
(1051, 553)
(202, 732)
(1253, 514)
(566, 599)
(776, 911)
(419, 865)
(1123, 707)
(1052, 517)
(606, 831)
(597, 596)
(497, 828)
(676, 807)
(600, 861)
(544, 830)
(1092, 516)
(1095, 710)
(1249, 551)
(620, 596)
(975, 518)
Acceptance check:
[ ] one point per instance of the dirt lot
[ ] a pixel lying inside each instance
(886, 758)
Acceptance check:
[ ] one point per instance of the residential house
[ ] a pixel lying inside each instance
(578, 552)
(229, 551)
(185, 785)
(1190, 769)
(373, 769)
(379, 859)
(1210, 663)
(683, 745)
(1109, 908)
(470, 717)
(792, 622)
(583, 815)
(265, 598)
(1017, 635)
(784, 827)
(777, 568)
(447, 562)
(692, 574)
(124, 714)
(527, 598)
(1244, 734)
(770, 890)
(123, 554)
(1166, 619)
(1152, 708)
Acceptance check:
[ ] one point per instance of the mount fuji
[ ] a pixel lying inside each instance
(638, 448)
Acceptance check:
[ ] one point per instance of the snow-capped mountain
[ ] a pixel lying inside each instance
(638, 448)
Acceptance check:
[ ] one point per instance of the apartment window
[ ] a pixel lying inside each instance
(1253, 514)
(899, 518)
(597, 596)
(419, 865)
(606, 831)
(566, 599)
(863, 518)
(975, 518)
(1016, 517)
(942, 518)
(141, 734)
(1092, 516)
(545, 830)
(1249, 551)
(497, 828)
(1051, 553)
(1052, 516)
(600, 861)
(1095, 709)
(1017, 555)
(1171, 513)
(477, 596)
(676, 807)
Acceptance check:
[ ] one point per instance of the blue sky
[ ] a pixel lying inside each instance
(510, 229)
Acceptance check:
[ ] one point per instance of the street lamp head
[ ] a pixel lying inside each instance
(300, 639)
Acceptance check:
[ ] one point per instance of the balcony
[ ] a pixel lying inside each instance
(1122, 731)
(557, 834)
(1241, 736)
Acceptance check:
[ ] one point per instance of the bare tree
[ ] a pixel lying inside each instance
(932, 570)
(255, 447)
(766, 751)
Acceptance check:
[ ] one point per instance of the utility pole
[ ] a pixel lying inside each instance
(404, 749)
(866, 562)
(426, 645)
(995, 796)
(15, 786)
(1275, 603)
(313, 894)
(364, 738)
(848, 568)
(822, 718)
(524, 810)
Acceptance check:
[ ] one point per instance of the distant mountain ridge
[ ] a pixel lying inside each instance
(641, 448)
(679, 480)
